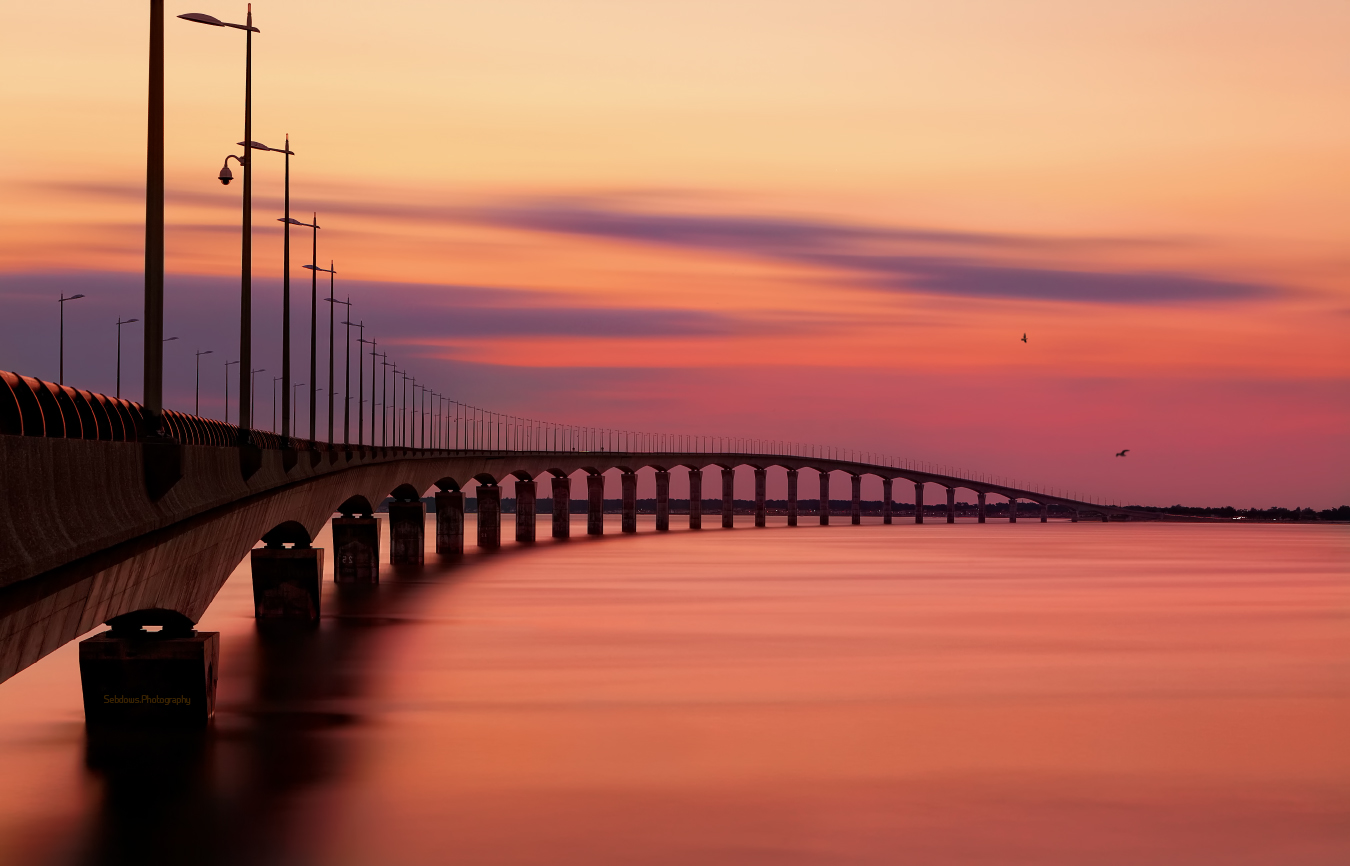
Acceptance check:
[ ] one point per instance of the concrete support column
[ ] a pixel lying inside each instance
(1105, 517)
(886, 497)
(951, 504)
(628, 484)
(695, 498)
(450, 522)
(356, 549)
(1012, 510)
(792, 497)
(918, 502)
(761, 491)
(489, 516)
(595, 505)
(562, 507)
(134, 678)
(1045, 513)
(662, 500)
(980, 498)
(286, 582)
(824, 498)
(1074, 518)
(526, 494)
(855, 509)
(728, 498)
(407, 532)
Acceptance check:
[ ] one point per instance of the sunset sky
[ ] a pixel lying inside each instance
(826, 222)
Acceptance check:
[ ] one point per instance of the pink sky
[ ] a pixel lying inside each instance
(797, 220)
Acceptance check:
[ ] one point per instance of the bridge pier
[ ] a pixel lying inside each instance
(918, 502)
(526, 494)
(887, 501)
(489, 516)
(133, 678)
(980, 498)
(855, 508)
(1106, 518)
(287, 581)
(1045, 513)
(728, 498)
(792, 497)
(951, 504)
(824, 497)
(662, 500)
(407, 531)
(562, 506)
(1074, 518)
(356, 548)
(595, 508)
(450, 522)
(695, 498)
(1012, 510)
(628, 484)
(761, 488)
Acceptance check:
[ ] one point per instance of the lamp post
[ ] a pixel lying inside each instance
(275, 380)
(332, 304)
(197, 400)
(61, 363)
(120, 323)
(384, 400)
(246, 252)
(347, 380)
(252, 390)
(313, 268)
(295, 387)
(359, 418)
(227, 389)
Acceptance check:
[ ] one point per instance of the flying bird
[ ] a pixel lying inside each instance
(1024, 338)
(1122, 453)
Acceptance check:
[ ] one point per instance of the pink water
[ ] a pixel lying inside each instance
(996, 694)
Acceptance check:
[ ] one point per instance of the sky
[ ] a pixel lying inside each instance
(825, 222)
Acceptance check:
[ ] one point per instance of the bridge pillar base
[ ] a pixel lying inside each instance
(356, 550)
(450, 522)
(792, 497)
(147, 680)
(526, 492)
(1045, 513)
(695, 498)
(980, 509)
(761, 489)
(595, 508)
(489, 516)
(887, 496)
(662, 500)
(918, 502)
(824, 498)
(407, 532)
(287, 583)
(728, 498)
(951, 504)
(628, 484)
(855, 507)
(1012, 510)
(1074, 518)
(562, 507)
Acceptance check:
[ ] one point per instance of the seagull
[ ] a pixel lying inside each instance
(1024, 338)
(1122, 453)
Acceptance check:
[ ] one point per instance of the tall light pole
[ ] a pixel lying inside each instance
(246, 252)
(61, 364)
(197, 401)
(347, 380)
(360, 418)
(120, 323)
(252, 389)
(275, 380)
(152, 397)
(332, 305)
(227, 389)
(313, 268)
(295, 387)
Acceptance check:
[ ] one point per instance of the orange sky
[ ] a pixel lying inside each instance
(846, 203)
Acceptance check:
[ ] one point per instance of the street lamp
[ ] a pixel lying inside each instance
(275, 380)
(246, 162)
(227, 389)
(197, 401)
(332, 304)
(120, 323)
(61, 364)
(295, 387)
(252, 391)
(285, 281)
(360, 438)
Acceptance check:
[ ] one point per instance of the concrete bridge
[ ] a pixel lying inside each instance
(97, 522)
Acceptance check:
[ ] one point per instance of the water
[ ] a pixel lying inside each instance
(997, 694)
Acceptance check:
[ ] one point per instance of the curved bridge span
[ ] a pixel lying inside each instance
(90, 530)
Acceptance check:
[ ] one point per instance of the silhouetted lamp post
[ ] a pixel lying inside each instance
(61, 363)
(246, 162)
(313, 268)
(197, 400)
(227, 389)
(120, 323)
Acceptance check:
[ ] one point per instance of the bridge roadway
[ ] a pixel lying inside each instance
(85, 535)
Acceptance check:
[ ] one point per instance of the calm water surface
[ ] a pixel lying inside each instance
(998, 694)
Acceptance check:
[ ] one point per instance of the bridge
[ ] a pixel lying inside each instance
(97, 522)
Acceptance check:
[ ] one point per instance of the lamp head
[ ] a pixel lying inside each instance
(73, 297)
(226, 175)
